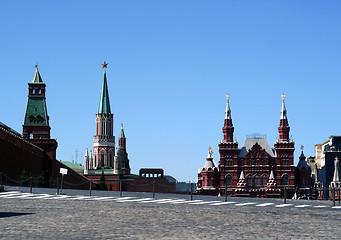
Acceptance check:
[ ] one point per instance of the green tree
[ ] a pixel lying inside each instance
(102, 185)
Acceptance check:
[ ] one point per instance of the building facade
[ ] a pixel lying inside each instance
(324, 164)
(255, 169)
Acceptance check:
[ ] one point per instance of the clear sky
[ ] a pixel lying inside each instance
(171, 64)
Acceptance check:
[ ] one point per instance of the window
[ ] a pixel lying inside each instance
(285, 180)
(209, 181)
(264, 180)
(228, 180)
(249, 181)
(303, 181)
(102, 160)
(257, 180)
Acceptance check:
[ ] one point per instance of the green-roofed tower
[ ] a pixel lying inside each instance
(36, 122)
(122, 153)
(104, 140)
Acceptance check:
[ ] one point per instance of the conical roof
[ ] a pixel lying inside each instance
(122, 133)
(37, 78)
(86, 152)
(242, 176)
(104, 103)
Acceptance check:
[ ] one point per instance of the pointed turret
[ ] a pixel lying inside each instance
(86, 162)
(228, 128)
(272, 181)
(117, 166)
(336, 176)
(241, 181)
(210, 164)
(122, 153)
(91, 161)
(37, 78)
(36, 122)
(122, 139)
(283, 128)
(302, 162)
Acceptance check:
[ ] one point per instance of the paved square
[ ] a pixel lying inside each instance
(49, 216)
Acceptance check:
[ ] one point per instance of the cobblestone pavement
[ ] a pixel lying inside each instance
(76, 215)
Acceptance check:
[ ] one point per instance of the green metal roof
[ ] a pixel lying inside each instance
(122, 133)
(104, 103)
(37, 78)
(36, 107)
(73, 166)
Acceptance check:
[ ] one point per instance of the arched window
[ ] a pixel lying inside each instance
(228, 180)
(303, 181)
(102, 160)
(257, 180)
(264, 180)
(249, 181)
(285, 180)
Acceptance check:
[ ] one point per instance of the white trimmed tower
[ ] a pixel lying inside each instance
(104, 140)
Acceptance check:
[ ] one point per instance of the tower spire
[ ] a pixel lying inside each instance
(228, 128)
(228, 110)
(283, 111)
(283, 128)
(122, 132)
(104, 103)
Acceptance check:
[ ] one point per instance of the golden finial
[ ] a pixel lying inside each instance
(228, 96)
(105, 64)
(283, 96)
(210, 150)
(336, 158)
(122, 125)
(36, 66)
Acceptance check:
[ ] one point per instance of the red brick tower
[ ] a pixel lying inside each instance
(228, 149)
(104, 141)
(284, 148)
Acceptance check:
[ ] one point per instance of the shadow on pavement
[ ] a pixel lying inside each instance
(12, 214)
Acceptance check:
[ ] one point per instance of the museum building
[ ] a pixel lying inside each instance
(255, 169)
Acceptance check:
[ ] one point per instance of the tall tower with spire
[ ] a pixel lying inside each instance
(228, 147)
(36, 127)
(283, 128)
(36, 122)
(284, 148)
(228, 128)
(104, 140)
(122, 153)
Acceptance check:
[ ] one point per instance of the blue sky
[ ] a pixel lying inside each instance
(171, 64)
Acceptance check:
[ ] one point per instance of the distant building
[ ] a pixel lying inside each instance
(255, 169)
(303, 173)
(325, 154)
